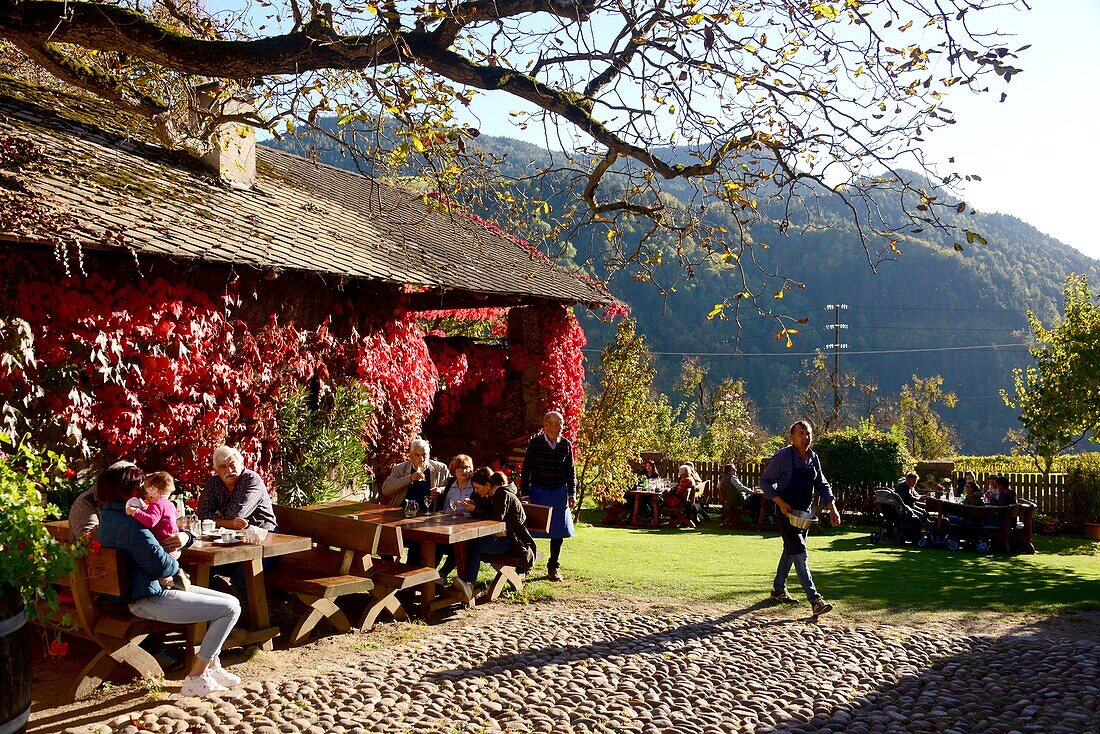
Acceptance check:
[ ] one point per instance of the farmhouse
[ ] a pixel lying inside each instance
(174, 304)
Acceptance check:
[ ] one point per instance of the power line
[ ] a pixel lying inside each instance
(814, 354)
(935, 328)
(940, 308)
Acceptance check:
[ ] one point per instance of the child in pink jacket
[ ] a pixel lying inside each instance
(158, 513)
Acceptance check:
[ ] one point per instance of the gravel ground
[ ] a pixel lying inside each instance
(551, 668)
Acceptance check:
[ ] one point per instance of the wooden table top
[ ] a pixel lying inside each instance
(209, 553)
(439, 527)
(212, 553)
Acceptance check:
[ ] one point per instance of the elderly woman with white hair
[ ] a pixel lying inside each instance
(235, 497)
(416, 478)
(549, 478)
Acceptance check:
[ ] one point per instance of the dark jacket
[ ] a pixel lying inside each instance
(908, 496)
(504, 505)
(148, 561)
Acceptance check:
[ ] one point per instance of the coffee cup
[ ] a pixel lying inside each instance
(228, 536)
(208, 527)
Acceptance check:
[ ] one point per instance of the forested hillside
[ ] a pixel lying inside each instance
(928, 310)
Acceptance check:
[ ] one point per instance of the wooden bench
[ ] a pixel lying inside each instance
(111, 626)
(322, 575)
(1009, 531)
(344, 562)
(538, 520)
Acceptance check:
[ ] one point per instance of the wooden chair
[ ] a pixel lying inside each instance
(538, 520)
(704, 499)
(111, 626)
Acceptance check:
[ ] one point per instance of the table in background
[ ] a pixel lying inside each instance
(655, 502)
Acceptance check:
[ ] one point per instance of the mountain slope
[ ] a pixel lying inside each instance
(963, 311)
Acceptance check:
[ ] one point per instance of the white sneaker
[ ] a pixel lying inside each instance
(221, 675)
(201, 685)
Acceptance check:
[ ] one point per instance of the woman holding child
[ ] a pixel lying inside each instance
(152, 593)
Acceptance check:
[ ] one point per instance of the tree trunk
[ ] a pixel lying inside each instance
(15, 662)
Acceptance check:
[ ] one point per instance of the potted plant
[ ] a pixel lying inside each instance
(29, 560)
(1083, 496)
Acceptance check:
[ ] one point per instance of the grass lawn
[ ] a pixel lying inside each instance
(721, 566)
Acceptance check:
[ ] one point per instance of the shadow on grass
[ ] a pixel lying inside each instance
(948, 580)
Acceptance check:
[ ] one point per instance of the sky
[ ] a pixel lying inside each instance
(1036, 152)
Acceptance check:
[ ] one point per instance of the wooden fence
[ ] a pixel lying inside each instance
(1049, 496)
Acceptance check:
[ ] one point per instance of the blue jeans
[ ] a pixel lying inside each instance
(794, 553)
(493, 545)
(197, 605)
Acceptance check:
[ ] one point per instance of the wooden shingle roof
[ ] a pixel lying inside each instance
(120, 189)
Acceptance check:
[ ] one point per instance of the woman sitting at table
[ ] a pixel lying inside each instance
(649, 480)
(678, 497)
(414, 479)
(458, 489)
(235, 497)
(150, 594)
(495, 498)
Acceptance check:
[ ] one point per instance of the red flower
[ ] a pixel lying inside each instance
(192, 503)
(94, 547)
(59, 648)
(70, 474)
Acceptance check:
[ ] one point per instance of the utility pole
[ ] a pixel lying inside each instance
(836, 346)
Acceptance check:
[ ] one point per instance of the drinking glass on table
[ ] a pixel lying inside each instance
(454, 507)
(411, 508)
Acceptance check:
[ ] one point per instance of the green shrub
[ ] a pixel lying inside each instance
(1083, 489)
(1009, 464)
(29, 558)
(856, 460)
(322, 452)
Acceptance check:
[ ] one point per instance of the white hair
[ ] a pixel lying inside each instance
(420, 443)
(685, 470)
(223, 453)
(555, 415)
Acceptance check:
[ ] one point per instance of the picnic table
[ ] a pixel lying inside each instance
(431, 531)
(205, 554)
(428, 531)
(654, 497)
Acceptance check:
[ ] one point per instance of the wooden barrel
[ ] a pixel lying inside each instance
(15, 663)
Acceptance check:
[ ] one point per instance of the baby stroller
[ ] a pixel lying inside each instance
(898, 522)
